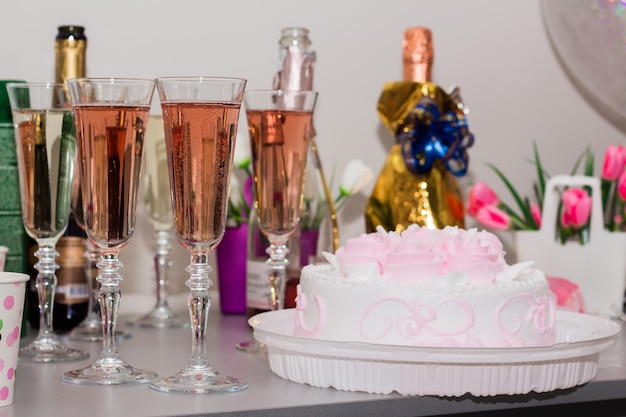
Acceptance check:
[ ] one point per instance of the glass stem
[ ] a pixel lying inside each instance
(199, 302)
(46, 283)
(109, 300)
(277, 263)
(162, 264)
(93, 255)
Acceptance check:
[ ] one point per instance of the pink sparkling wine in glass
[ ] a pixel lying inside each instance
(281, 138)
(113, 140)
(202, 140)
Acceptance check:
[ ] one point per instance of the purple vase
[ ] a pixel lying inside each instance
(308, 245)
(231, 270)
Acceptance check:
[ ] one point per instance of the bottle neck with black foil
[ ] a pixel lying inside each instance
(70, 49)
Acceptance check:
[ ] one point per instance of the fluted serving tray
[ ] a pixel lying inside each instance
(450, 372)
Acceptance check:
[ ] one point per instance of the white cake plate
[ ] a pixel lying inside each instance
(449, 372)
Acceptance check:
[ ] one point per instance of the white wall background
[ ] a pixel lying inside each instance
(498, 52)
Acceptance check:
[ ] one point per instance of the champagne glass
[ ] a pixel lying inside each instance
(200, 116)
(280, 124)
(46, 153)
(111, 120)
(156, 190)
(90, 329)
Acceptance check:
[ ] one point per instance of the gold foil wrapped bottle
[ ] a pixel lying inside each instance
(418, 183)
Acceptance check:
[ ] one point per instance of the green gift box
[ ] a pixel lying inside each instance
(9, 189)
(7, 145)
(12, 233)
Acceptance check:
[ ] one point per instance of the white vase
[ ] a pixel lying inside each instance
(598, 267)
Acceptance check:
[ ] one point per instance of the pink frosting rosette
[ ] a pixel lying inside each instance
(422, 255)
(413, 262)
(415, 257)
(479, 255)
(360, 256)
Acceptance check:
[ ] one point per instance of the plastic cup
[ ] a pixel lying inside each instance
(12, 291)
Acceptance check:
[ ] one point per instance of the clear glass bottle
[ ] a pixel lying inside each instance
(295, 72)
(318, 229)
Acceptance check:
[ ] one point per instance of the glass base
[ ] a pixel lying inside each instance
(201, 380)
(91, 331)
(108, 371)
(252, 346)
(50, 349)
(161, 317)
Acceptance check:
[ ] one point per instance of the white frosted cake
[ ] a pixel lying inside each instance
(449, 288)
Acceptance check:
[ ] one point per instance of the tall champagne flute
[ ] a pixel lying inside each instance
(90, 329)
(156, 191)
(111, 120)
(280, 124)
(200, 116)
(46, 154)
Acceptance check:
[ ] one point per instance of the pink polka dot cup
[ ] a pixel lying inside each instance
(12, 291)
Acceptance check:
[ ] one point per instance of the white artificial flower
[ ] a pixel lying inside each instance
(356, 176)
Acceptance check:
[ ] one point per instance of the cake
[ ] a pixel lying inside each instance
(424, 287)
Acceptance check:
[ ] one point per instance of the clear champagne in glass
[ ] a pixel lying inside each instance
(46, 153)
(200, 116)
(111, 120)
(156, 196)
(280, 126)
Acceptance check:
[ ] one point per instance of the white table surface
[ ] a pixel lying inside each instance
(40, 391)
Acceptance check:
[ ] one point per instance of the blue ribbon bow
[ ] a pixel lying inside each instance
(426, 136)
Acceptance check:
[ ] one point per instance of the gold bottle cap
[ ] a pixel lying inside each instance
(418, 54)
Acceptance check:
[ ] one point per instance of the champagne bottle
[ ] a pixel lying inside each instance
(415, 185)
(257, 280)
(71, 300)
(317, 229)
(295, 72)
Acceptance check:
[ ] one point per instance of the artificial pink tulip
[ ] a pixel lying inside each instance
(576, 207)
(480, 195)
(492, 217)
(535, 211)
(614, 161)
(621, 186)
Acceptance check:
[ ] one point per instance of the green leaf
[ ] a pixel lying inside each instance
(589, 162)
(520, 203)
(540, 176)
(579, 160)
(518, 222)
